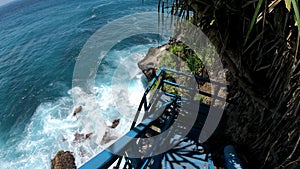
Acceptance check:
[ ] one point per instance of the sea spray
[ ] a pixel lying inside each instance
(53, 126)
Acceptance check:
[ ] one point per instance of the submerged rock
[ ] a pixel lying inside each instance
(63, 160)
(82, 137)
(115, 123)
(110, 133)
(77, 110)
(109, 136)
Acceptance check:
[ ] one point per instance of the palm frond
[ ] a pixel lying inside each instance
(257, 9)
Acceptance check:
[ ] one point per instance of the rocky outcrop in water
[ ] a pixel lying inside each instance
(63, 160)
(82, 137)
(77, 110)
(110, 134)
(115, 123)
(149, 64)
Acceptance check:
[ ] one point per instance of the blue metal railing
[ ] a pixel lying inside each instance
(232, 159)
(144, 99)
(161, 73)
(105, 159)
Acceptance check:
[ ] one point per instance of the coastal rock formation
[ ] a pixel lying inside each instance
(109, 133)
(77, 110)
(149, 64)
(82, 137)
(109, 136)
(176, 55)
(115, 123)
(63, 160)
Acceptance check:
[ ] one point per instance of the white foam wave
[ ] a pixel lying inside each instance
(53, 126)
(5, 2)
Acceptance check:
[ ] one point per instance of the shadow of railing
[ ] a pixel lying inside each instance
(180, 155)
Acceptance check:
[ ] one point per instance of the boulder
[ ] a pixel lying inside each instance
(115, 123)
(63, 160)
(77, 110)
(110, 133)
(81, 137)
(150, 63)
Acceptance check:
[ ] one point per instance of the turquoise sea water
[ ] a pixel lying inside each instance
(39, 44)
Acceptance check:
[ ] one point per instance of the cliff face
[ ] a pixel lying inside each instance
(63, 160)
(174, 54)
(150, 63)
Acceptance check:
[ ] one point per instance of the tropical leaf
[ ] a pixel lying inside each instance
(264, 72)
(296, 10)
(257, 9)
(288, 4)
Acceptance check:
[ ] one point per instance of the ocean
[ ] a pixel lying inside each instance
(39, 44)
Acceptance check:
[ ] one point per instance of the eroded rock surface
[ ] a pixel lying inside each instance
(149, 64)
(81, 137)
(77, 110)
(63, 160)
(115, 123)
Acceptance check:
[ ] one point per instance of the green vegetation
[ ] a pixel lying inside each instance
(183, 54)
(181, 57)
(176, 49)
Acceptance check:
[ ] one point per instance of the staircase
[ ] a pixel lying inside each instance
(174, 119)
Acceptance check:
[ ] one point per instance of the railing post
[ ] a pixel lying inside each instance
(138, 111)
(163, 77)
(145, 105)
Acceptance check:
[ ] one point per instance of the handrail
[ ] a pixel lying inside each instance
(194, 89)
(106, 158)
(195, 76)
(144, 99)
(232, 159)
(167, 125)
(163, 81)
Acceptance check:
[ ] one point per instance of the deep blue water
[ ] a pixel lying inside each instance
(39, 43)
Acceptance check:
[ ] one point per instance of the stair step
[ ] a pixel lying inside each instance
(187, 154)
